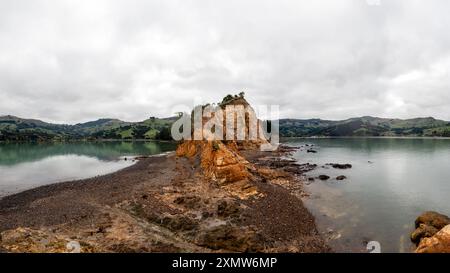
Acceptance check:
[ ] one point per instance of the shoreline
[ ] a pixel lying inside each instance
(159, 204)
(86, 140)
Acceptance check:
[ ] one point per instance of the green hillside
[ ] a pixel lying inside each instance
(365, 126)
(18, 129)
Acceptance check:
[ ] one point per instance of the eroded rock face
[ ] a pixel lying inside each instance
(219, 161)
(439, 243)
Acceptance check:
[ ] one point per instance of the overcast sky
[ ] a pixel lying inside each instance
(74, 61)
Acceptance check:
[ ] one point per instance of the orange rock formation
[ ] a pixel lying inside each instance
(220, 160)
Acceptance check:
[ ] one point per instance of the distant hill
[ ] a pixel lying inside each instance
(18, 129)
(365, 126)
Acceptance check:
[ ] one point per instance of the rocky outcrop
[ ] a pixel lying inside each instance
(432, 234)
(439, 243)
(220, 160)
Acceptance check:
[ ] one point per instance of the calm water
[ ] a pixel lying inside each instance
(392, 181)
(28, 165)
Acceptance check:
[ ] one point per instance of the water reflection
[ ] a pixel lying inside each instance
(27, 165)
(14, 153)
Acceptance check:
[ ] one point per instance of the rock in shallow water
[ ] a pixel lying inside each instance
(340, 166)
(432, 234)
(341, 177)
(434, 219)
(439, 243)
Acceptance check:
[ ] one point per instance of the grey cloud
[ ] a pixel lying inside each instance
(72, 61)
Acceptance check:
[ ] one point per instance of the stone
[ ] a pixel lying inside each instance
(341, 177)
(439, 243)
(423, 231)
(340, 166)
(434, 219)
(324, 177)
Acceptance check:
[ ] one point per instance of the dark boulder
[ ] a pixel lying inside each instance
(340, 166)
(341, 177)
(324, 177)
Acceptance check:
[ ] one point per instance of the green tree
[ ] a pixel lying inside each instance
(164, 134)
